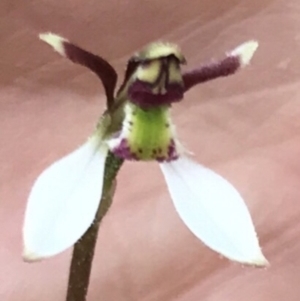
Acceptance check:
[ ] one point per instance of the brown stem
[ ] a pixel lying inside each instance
(83, 252)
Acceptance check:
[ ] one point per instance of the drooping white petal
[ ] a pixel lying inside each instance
(63, 201)
(213, 210)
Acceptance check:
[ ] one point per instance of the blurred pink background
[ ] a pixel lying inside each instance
(246, 127)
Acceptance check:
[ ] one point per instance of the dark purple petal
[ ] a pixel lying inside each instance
(238, 58)
(97, 64)
(204, 73)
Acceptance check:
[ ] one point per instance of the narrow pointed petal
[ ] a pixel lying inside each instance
(245, 52)
(63, 202)
(213, 210)
(95, 63)
(234, 61)
(55, 41)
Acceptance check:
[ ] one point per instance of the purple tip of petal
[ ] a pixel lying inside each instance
(141, 94)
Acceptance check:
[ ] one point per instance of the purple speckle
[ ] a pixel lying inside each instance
(123, 151)
(172, 149)
(134, 156)
(161, 159)
(172, 153)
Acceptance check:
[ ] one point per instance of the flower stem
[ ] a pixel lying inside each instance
(83, 252)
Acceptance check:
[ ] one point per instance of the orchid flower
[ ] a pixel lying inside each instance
(137, 126)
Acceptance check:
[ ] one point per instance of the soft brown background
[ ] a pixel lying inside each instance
(247, 127)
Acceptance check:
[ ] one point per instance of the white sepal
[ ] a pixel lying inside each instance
(213, 210)
(245, 52)
(55, 41)
(63, 201)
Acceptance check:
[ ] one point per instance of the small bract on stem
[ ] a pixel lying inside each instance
(71, 197)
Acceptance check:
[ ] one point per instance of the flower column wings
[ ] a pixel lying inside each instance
(137, 126)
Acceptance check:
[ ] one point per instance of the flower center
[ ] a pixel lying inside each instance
(147, 134)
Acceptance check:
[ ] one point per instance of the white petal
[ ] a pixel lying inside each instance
(213, 210)
(63, 202)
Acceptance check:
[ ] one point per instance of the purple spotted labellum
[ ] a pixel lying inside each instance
(137, 126)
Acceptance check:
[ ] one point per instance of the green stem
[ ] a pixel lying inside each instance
(83, 252)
